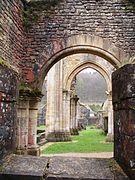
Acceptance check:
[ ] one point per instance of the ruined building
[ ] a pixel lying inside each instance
(36, 34)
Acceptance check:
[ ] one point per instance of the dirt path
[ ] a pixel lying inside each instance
(88, 155)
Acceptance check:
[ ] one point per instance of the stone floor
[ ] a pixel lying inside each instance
(16, 167)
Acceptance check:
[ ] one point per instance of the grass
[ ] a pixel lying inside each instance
(90, 140)
(41, 127)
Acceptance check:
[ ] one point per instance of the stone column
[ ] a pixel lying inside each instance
(50, 109)
(110, 133)
(73, 113)
(78, 116)
(123, 93)
(33, 148)
(55, 127)
(22, 125)
(66, 114)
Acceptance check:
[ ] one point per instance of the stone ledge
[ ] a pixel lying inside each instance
(23, 167)
(65, 168)
(16, 167)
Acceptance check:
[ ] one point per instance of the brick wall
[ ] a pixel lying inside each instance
(11, 31)
(112, 20)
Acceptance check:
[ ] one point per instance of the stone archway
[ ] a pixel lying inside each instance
(76, 45)
(60, 92)
(60, 48)
(82, 66)
(107, 76)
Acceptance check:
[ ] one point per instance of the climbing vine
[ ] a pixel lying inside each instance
(33, 10)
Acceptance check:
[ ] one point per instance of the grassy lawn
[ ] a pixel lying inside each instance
(90, 140)
(41, 127)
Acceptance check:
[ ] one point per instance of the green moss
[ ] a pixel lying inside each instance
(34, 9)
(26, 90)
(130, 4)
(132, 108)
(1, 168)
(7, 64)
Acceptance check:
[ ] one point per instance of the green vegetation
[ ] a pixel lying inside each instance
(7, 64)
(90, 140)
(95, 107)
(27, 89)
(91, 87)
(33, 10)
(41, 127)
(130, 4)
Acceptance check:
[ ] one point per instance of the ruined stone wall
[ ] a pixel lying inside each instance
(8, 109)
(11, 50)
(11, 31)
(124, 114)
(112, 20)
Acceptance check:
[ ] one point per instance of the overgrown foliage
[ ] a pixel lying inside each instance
(33, 10)
(26, 90)
(130, 3)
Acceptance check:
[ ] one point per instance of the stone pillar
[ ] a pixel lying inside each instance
(55, 128)
(50, 109)
(66, 113)
(22, 125)
(123, 96)
(78, 116)
(73, 115)
(33, 148)
(110, 133)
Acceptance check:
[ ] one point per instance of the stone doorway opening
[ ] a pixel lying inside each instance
(69, 68)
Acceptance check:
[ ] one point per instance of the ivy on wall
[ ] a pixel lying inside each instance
(130, 3)
(34, 8)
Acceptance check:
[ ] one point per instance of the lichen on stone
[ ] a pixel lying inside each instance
(7, 64)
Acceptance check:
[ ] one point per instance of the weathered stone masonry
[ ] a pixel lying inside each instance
(11, 53)
(104, 28)
(124, 118)
(8, 109)
(112, 20)
(11, 31)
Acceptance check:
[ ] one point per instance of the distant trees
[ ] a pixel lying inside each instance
(91, 87)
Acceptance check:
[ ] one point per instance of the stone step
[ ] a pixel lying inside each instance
(65, 168)
(18, 167)
(42, 142)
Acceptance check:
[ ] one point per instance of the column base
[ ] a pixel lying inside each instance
(74, 132)
(58, 136)
(21, 151)
(34, 151)
(110, 138)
